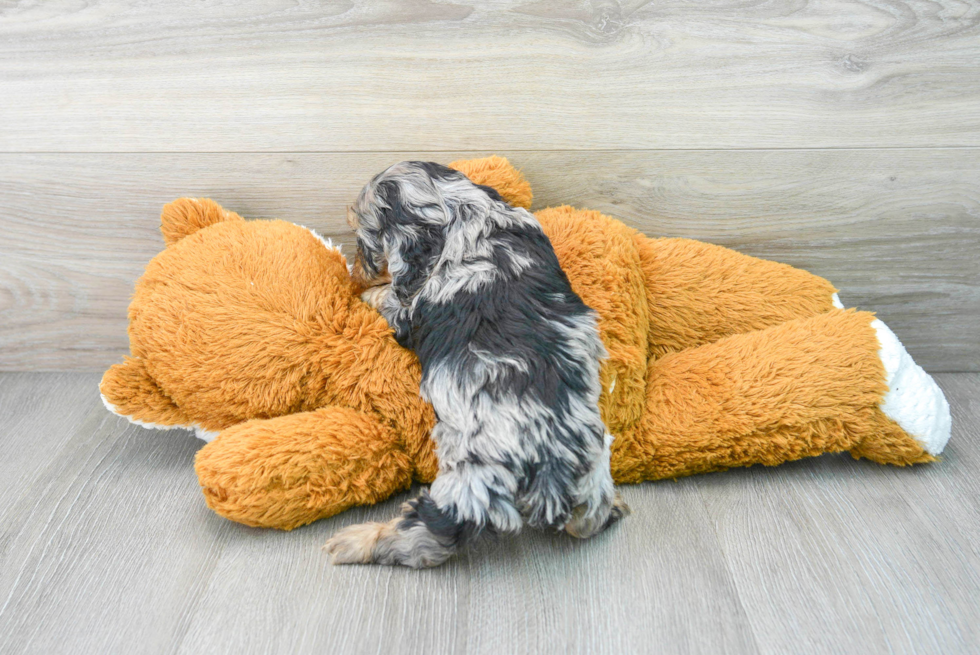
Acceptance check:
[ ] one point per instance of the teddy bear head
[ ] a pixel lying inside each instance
(218, 335)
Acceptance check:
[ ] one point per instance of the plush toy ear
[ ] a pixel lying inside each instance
(497, 172)
(185, 216)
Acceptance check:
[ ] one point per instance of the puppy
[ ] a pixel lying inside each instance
(510, 361)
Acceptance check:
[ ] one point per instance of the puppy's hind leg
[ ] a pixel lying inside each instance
(599, 504)
(585, 524)
(434, 526)
(406, 540)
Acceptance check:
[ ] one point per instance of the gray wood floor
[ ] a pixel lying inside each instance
(106, 546)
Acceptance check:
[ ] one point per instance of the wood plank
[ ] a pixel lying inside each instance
(109, 548)
(298, 603)
(38, 415)
(502, 74)
(832, 555)
(106, 548)
(896, 230)
(517, 595)
(659, 577)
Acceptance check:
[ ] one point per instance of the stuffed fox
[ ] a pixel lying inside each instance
(253, 334)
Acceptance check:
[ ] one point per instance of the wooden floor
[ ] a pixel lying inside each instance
(107, 547)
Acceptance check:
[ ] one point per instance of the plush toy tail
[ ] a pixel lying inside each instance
(500, 175)
(185, 216)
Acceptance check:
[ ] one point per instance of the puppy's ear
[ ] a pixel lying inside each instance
(412, 242)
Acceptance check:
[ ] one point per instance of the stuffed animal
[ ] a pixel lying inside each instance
(253, 334)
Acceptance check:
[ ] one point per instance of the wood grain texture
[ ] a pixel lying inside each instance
(866, 549)
(897, 231)
(107, 547)
(35, 417)
(536, 594)
(101, 552)
(502, 74)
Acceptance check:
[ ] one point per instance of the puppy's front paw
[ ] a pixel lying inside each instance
(354, 544)
(376, 295)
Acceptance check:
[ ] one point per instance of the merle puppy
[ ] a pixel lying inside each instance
(510, 361)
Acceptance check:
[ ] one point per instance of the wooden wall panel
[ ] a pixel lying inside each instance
(898, 231)
(498, 74)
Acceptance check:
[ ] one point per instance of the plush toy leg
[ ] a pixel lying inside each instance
(698, 293)
(795, 390)
(292, 470)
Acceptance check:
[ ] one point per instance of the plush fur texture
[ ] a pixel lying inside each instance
(254, 328)
(510, 361)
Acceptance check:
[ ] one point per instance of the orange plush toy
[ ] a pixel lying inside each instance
(253, 334)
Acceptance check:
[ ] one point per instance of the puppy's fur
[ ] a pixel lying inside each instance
(510, 358)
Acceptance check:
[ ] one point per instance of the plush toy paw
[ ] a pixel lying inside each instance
(914, 400)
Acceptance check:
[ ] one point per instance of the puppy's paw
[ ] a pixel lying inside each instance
(355, 544)
(583, 525)
(376, 295)
(619, 510)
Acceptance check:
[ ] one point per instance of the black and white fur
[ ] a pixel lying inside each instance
(510, 358)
